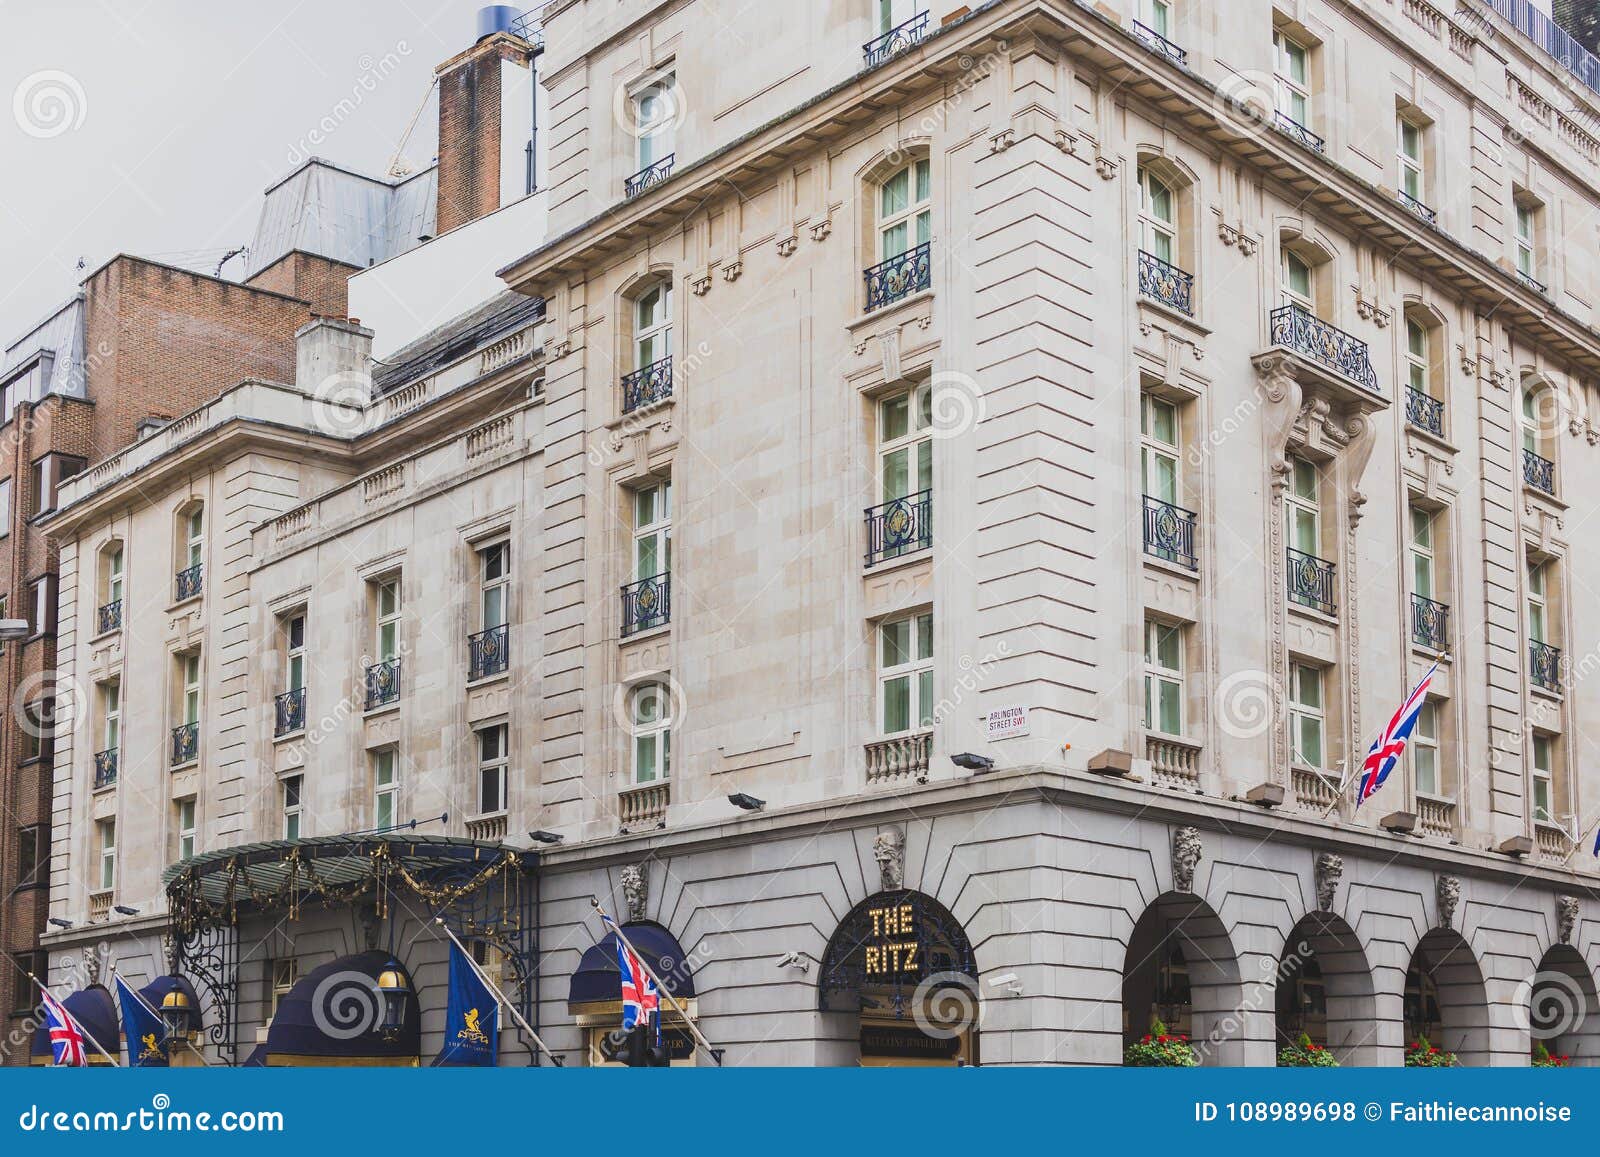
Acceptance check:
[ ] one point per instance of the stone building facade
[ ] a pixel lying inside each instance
(939, 557)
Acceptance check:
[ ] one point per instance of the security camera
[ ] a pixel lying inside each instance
(1007, 981)
(795, 960)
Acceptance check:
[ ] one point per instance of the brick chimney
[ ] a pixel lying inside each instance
(485, 124)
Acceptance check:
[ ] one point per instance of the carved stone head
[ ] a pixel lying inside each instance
(1330, 869)
(1449, 890)
(1186, 853)
(1566, 918)
(636, 891)
(889, 849)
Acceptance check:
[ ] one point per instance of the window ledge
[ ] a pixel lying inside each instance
(393, 705)
(185, 764)
(882, 566)
(1429, 438)
(1176, 570)
(297, 733)
(637, 636)
(1311, 613)
(1539, 689)
(912, 303)
(480, 681)
(105, 634)
(639, 414)
(176, 605)
(1543, 498)
(1171, 313)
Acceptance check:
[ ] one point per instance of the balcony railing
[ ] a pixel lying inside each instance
(488, 652)
(1538, 472)
(644, 805)
(1544, 665)
(1424, 411)
(900, 758)
(1431, 216)
(899, 276)
(900, 526)
(649, 384)
(896, 40)
(185, 743)
(1311, 581)
(189, 582)
(1174, 762)
(1169, 532)
(289, 712)
(1166, 283)
(1159, 44)
(1533, 283)
(1436, 817)
(1287, 125)
(1430, 623)
(487, 827)
(383, 683)
(105, 768)
(109, 617)
(646, 604)
(1297, 328)
(649, 176)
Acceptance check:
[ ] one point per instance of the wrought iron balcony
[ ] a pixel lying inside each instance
(1431, 216)
(1311, 581)
(1287, 125)
(1424, 411)
(1159, 44)
(652, 383)
(1533, 283)
(896, 40)
(1169, 532)
(1296, 328)
(109, 617)
(898, 277)
(383, 683)
(900, 526)
(185, 743)
(1430, 623)
(1544, 664)
(646, 604)
(105, 768)
(289, 714)
(189, 582)
(1538, 472)
(488, 652)
(650, 176)
(1160, 281)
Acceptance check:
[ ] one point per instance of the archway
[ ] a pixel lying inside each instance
(1325, 990)
(1564, 1007)
(1445, 999)
(904, 966)
(1181, 968)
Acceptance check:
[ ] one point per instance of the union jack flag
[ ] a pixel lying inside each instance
(639, 996)
(66, 1038)
(1387, 749)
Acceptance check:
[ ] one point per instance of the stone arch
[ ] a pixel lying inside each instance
(1445, 998)
(1563, 1009)
(1325, 989)
(1181, 960)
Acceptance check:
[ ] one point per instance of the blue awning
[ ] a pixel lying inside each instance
(598, 979)
(334, 1016)
(96, 1012)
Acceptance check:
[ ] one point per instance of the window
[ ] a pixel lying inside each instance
(1422, 556)
(281, 974)
(186, 828)
(893, 13)
(1543, 777)
(113, 575)
(1294, 275)
(654, 116)
(194, 530)
(652, 530)
(5, 507)
(1538, 603)
(1163, 677)
(43, 599)
(27, 991)
(905, 444)
(1307, 714)
(1417, 361)
(1303, 507)
(1158, 230)
(1156, 15)
(905, 674)
(387, 643)
(905, 210)
(190, 707)
(386, 789)
(111, 715)
(38, 722)
(1425, 750)
(33, 857)
(493, 757)
(652, 325)
(49, 473)
(494, 580)
(1291, 78)
(1409, 150)
(292, 807)
(294, 642)
(1526, 248)
(1158, 429)
(651, 715)
(107, 832)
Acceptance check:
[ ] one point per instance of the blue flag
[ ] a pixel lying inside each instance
(142, 1028)
(471, 1018)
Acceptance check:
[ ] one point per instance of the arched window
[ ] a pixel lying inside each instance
(1540, 421)
(1158, 217)
(191, 550)
(110, 584)
(1422, 370)
(650, 712)
(905, 209)
(649, 346)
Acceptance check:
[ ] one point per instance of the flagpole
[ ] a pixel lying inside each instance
(661, 988)
(152, 1010)
(112, 1057)
(498, 995)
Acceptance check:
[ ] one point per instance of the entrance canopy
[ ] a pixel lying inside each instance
(598, 980)
(887, 947)
(96, 1013)
(334, 1016)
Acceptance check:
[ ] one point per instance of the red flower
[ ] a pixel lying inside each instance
(1432, 1051)
(1164, 1038)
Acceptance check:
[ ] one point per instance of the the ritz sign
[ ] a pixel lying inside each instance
(895, 950)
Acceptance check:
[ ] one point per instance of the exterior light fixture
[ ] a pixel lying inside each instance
(124, 910)
(748, 803)
(970, 762)
(394, 988)
(58, 922)
(543, 837)
(176, 1014)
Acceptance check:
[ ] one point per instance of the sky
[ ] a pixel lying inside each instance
(153, 127)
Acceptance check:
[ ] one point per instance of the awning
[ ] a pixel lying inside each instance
(598, 979)
(334, 1016)
(96, 1012)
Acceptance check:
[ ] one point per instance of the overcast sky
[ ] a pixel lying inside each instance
(152, 126)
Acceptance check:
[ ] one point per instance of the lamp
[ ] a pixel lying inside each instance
(58, 922)
(176, 1014)
(543, 837)
(394, 988)
(124, 910)
(967, 761)
(748, 803)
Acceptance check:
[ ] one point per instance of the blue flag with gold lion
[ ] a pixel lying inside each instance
(141, 1025)
(471, 1018)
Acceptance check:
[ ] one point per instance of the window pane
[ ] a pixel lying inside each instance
(894, 241)
(925, 636)
(1171, 717)
(896, 418)
(1160, 202)
(1305, 480)
(925, 699)
(645, 757)
(1161, 476)
(1311, 740)
(895, 193)
(1169, 647)
(924, 181)
(897, 704)
(1427, 771)
(896, 474)
(896, 643)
